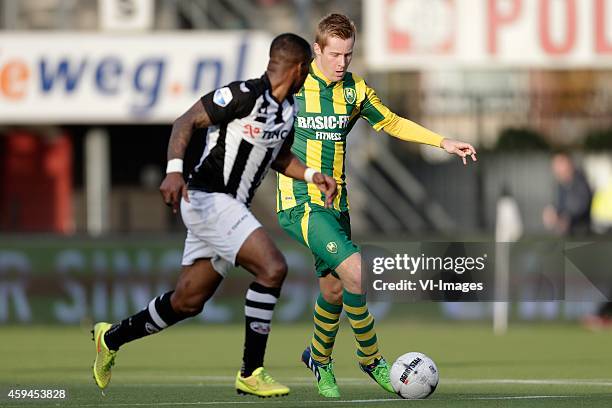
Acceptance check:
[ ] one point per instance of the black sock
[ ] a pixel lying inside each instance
(152, 319)
(258, 308)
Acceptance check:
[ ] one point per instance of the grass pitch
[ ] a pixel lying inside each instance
(539, 365)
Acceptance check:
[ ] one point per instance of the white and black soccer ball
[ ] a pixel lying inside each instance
(414, 376)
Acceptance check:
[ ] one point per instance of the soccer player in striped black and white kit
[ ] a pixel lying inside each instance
(249, 129)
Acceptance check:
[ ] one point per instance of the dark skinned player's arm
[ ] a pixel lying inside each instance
(173, 186)
(182, 129)
(287, 163)
(291, 166)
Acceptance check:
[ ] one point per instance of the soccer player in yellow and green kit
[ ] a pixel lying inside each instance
(330, 102)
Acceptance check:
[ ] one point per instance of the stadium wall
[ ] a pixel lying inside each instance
(77, 281)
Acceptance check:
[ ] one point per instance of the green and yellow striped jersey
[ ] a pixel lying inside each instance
(327, 113)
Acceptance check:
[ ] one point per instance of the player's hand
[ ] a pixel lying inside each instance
(172, 188)
(328, 186)
(461, 149)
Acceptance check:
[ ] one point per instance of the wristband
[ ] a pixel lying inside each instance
(174, 166)
(309, 174)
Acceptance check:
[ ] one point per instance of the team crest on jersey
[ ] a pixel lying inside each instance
(349, 95)
(223, 96)
(332, 247)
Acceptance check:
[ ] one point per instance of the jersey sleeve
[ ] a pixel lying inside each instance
(381, 117)
(233, 101)
(409, 131)
(373, 110)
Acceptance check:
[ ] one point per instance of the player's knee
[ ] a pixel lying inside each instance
(350, 274)
(275, 273)
(333, 295)
(352, 283)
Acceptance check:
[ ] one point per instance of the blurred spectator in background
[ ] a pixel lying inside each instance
(570, 215)
(601, 212)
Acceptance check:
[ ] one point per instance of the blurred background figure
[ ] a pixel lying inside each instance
(570, 215)
(600, 320)
(601, 210)
(508, 220)
(601, 220)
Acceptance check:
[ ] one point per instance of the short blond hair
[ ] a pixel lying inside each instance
(334, 25)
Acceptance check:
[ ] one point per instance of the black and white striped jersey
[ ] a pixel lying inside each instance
(249, 129)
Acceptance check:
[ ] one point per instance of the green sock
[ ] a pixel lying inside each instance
(326, 322)
(362, 323)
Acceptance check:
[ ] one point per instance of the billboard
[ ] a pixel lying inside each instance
(119, 78)
(415, 34)
(78, 280)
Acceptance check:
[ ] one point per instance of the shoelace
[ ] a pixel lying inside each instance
(379, 368)
(111, 361)
(267, 378)
(329, 367)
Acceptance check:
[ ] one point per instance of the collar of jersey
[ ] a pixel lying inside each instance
(318, 74)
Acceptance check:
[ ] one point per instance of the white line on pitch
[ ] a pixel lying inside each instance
(284, 401)
(568, 381)
(443, 381)
(522, 397)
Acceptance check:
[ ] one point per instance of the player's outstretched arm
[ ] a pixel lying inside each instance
(289, 165)
(407, 130)
(381, 117)
(459, 148)
(173, 186)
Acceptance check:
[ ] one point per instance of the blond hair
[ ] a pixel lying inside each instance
(334, 25)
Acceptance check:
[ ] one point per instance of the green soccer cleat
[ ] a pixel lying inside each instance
(105, 358)
(324, 374)
(261, 384)
(379, 371)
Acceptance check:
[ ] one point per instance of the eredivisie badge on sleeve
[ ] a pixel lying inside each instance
(223, 96)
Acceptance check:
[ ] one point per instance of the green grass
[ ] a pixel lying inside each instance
(191, 365)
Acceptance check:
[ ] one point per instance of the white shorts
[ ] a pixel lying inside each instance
(217, 226)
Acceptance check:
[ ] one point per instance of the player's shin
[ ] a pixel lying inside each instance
(158, 315)
(326, 318)
(362, 323)
(258, 310)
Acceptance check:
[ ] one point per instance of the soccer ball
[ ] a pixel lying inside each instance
(414, 376)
